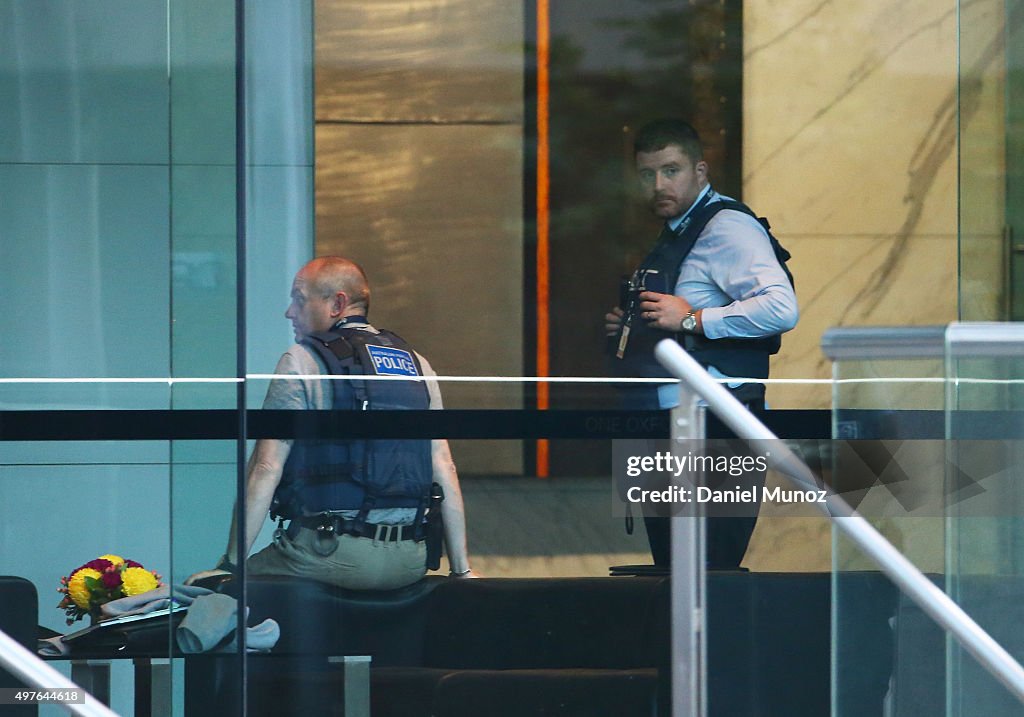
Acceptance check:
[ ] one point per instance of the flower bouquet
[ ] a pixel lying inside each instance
(108, 577)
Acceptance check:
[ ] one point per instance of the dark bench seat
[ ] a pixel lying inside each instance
(562, 646)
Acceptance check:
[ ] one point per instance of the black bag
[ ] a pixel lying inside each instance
(143, 633)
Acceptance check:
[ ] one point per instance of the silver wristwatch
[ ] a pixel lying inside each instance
(689, 323)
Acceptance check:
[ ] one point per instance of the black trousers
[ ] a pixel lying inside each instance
(726, 537)
(727, 540)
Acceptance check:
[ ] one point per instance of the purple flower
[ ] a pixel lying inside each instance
(111, 580)
(99, 564)
(132, 564)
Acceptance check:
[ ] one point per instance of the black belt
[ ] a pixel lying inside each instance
(347, 526)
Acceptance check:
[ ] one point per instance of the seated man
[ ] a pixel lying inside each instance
(356, 507)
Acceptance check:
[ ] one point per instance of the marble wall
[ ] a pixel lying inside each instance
(850, 120)
(855, 142)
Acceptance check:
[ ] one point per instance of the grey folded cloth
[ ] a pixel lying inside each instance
(258, 638)
(51, 647)
(159, 598)
(211, 618)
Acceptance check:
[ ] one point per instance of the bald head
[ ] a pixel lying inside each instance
(328, 276)
(326, 290)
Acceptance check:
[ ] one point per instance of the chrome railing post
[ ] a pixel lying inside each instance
(689, 652)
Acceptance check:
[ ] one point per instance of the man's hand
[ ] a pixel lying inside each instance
(203, 574)
(664, 311)
(613, 321)
(469, 573)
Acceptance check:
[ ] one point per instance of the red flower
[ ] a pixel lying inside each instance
(102, 581)
(111, 579)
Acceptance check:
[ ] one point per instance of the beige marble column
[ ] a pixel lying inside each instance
(850, 120)
(850, 147)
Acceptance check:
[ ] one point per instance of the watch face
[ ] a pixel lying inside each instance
(690, 323)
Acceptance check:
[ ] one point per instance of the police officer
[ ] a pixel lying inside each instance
(722, 291)
(356, 509)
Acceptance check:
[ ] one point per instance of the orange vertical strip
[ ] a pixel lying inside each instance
(543, 225)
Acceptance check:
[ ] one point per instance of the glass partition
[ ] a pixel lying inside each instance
(518, 527)
(163, 512)
(121, 272)
(984, 548)
(943, 487)
(118, 169)
(888, 385)
(887, 461)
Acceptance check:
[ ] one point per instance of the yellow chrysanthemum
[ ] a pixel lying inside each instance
(137, 580)
(77, 588)
(115, 559)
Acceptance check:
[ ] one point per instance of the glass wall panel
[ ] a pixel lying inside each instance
(517, 527)
(119, 263)
(888, 462)
(947, 467)
(85, 286)
(217, 321)
(983, 401)
(204, 301)
(985, 544)
(987, 260)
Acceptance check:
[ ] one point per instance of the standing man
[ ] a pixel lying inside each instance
(722, 292)
(356, 508)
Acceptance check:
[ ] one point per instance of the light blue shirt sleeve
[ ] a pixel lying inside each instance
(733, 275)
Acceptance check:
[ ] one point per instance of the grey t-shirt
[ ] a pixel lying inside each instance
(309, 392)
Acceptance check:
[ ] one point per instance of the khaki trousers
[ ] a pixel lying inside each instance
(356, 563)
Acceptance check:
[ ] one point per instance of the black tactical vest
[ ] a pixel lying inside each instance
(333, 475)
(733, 357)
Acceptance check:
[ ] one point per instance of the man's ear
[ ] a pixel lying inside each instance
(339, 303)
(702, 169)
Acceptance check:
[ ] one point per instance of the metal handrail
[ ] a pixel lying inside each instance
(904, 574)
(26, 665)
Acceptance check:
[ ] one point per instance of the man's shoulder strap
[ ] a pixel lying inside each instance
(341, 358)
(337, 352)
(344, 352)
(383, 337)
(342, 345)
(707, 212)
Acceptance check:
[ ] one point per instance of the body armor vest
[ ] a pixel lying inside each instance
(732, 356)
(333, 475)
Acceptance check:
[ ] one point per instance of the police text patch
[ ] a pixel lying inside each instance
(389, 361)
